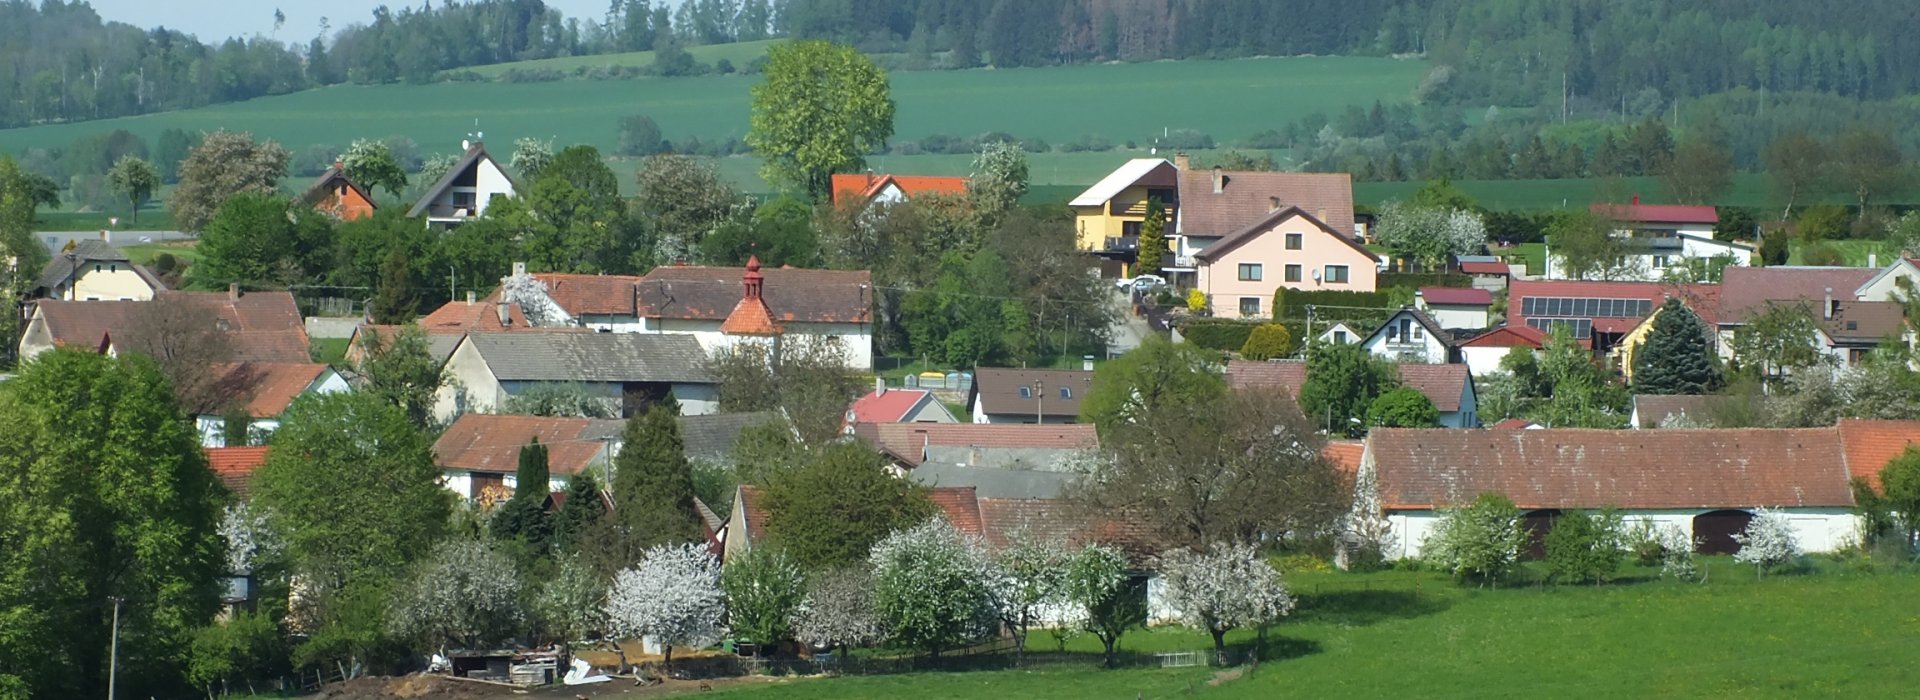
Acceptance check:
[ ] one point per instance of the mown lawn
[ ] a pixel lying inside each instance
(1396, 634)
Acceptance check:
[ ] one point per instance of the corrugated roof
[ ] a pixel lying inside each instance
(592, 357)
(1444, 385)
(1580, 468)
(998, 389)
(1247, 197)
(688, 292)
(235, 466)
(1462, 296)
(1118, 180)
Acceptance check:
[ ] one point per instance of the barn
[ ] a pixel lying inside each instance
(1707, 482)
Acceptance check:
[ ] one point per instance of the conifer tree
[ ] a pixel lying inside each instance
(1153, 239)
(653, 482)
(1678, 355)
(578, 514)
(525, 516)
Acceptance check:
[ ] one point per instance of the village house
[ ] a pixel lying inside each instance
(1482, 353)
(1340, 334)
(1706, 482)
(624, 372)
(262, 391)
(1009, 395)
(257, 326)
(465, 192)
(1108, 216)
(94, 270)
(234, 467)
(1000, 446)
(1448, 386)
(1846, 303)
(479, 452)
(336, 196)
(1300, 251)
(1598, 314)
(1466, 308)
(862, 189)
(444, 327)
(1412, 336)
(889, 405)
(1659, 238)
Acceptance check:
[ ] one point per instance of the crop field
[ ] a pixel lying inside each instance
(739, 54)
(1396, 634)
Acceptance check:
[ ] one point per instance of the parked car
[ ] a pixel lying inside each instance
(1142, 283)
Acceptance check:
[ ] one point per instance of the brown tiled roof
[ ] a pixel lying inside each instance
(1579, 468)
(1345, 454)
(259, 326)
(1265, 225)
(1871, 444)
(1074, 523)
(1863, 321)
(960, 506)
(611, 295)
(84, 324)
(1744, 291)
(1465, 296)
(1442, 384)
(753, 512)
(488, 443)
(1486, 268)
(689, 292)
(462, 316)
(1247, 197)
(1656, 408)
(265, 389)
(998, 389)
(235, 466)
(906, 441)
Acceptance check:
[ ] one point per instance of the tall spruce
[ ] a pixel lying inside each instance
(1678, 355)
(579, 513)
(525, 516)
(653, 482)
(1153, 239)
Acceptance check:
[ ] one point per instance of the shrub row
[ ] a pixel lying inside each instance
(1416, 280)
(1223, 334)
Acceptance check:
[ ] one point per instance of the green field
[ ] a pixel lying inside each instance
(739, 54)
(1396, 634)
(1749, 190)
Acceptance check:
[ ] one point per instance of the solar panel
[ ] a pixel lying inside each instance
(1585, 307)
(1582, 328)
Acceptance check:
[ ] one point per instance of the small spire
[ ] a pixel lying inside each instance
(752, 280)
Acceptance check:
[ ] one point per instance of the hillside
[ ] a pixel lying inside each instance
(739, 54)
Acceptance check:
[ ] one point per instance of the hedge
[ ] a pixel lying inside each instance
(1223, 334)
(1292, 303)
(1417, 280)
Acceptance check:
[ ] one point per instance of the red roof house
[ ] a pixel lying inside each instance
(857, 189)
(235, 466)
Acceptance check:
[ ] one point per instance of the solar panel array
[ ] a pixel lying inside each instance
(1582, 327)
(1585, 308)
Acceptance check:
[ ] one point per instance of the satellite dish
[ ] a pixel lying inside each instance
(465, 145)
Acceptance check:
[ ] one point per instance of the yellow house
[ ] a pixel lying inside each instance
(1107, 218)
(95, 271)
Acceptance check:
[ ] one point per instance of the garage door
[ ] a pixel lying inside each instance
(1714, 531)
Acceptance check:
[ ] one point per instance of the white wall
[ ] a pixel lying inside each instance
(489, 181)
(37, 339)
(1817, 529)
(1484, 361)
(1422, 348)
(108, 281)
(470, 385)
(1458, 316)
(697, 399)
(1883, 287)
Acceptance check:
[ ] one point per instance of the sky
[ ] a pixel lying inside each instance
(215, 20)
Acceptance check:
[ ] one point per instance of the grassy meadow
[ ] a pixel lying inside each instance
(1399, 634)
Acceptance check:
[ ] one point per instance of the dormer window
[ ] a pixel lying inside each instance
(1026, 392)
(1066, 392)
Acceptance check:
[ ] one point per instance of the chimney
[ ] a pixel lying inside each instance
(1273, 204)
(1873, 260)
(1636, 200)
(339, 165)
(233, 291)
(519, 268)
(1086, 363)
(1219, 181)
(1828, 309)
(879, 386)
(1182, 162)
(506, 315)
(106, 235)
(469, 296)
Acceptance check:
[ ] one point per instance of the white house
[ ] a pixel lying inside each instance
(465, 192)
(1706, 482)
(1451, 307)
(1010, 395)
(1410, 335)
(625, 371)
(481, 452)
(263, 390)
(1883, 284)
(1340, 334)
(94, 270)
(1851, 306)
(888, 405)
(1482, 353)
(1661, 240)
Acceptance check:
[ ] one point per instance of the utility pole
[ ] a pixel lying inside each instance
(113, 655)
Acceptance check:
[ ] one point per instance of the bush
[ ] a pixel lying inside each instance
(1774, 248)
(1089, 142)
(1197, 301)
(1188, 139)
(1267, 341)
(1479, 542)
(1823, 222)
(1416, 280)
(1218, 333)
(1768, 542)
(1821, 254)
(531, 75)
(1585, 548)
(1404, 407)
(1267, 140)
(1293, 304)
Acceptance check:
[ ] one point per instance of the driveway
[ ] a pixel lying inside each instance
(1128, 330)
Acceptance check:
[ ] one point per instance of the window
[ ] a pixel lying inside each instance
(1659, 261)
(96, 267)
(1026, 392)
(1339, 337)
(1336, 274)
(1293, 273)
(1249, 272)
(1130, 228)
(1249, 306)
(1293, 241)
(1066, 392)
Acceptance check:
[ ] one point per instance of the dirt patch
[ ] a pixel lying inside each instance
(1227, 676)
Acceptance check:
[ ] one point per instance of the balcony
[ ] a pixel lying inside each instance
(1122, 244)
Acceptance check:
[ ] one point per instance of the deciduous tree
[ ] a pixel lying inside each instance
(1224, 587)
(136, 180)
(1031, 573)
(1585, 245)
(401, 371)
(371, 164)
(1109, 601)
(1767, 542)
(1342, 383)
(225, 163)
(1158, 376)
(838, 609)
(1585, 547)
(1428, 235)
(251, 240)
(1699, 172)
(1777, 340)
(828, 511)
(183, 338)
(820, 109)
(934, 588)
(673, 595)
(1797, 166)
(465, 594)
(684, 200)
(764, 591)
(1403, 407)
(1480, 541)
(1868, 163)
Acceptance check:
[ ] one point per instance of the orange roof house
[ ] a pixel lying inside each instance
(751, 316)
(336, 196)
(235, 466)
(860, 189)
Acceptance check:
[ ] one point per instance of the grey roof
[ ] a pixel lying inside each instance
(992, 482)
(704, 438)
(592, 357)
(467, 160)
(62, 265)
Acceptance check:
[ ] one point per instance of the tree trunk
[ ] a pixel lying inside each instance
(666, 661)
(1108, 642)
(1220, 646)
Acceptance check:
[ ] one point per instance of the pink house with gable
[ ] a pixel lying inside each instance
(1287, 248)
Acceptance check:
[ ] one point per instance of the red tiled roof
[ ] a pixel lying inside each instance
(1633, 469)
(235, 466)
(461, 316)
(489, 443)
(905, 441)
(1486, 268)
(591, 294)
(1002, 519)
(1871, 444)
(960, 506)
(1657, 213)
(265, 389)
(1457, 295)
(1247, 197)
(858, 188)
(1444, 385)
(889, 407)
(1746, 290)
(1345, 454)
(689, 292)
(1508, 337)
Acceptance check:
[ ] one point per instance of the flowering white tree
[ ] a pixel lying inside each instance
(467, 593)
(531, 294)
(248, 538)
(1767, 542)
(1032, 577)
(764, 588)
(1676, 551)
(672, 595)
(838, 610)
(1103, 596)
(1224, 588)
(1429, 234)
(568, 603)
(1481, 540)
(935, 588)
